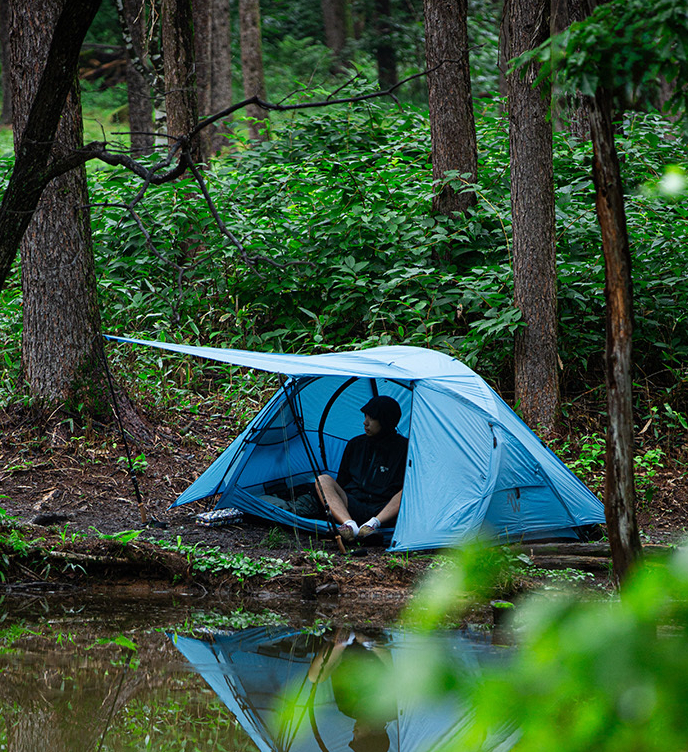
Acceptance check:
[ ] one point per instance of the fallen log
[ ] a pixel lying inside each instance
(600, 549)
(584, 563)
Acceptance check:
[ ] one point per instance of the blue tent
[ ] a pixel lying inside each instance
(475, 470)
(262, 675)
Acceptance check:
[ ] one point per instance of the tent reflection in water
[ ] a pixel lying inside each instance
(265, 678)
(474, 469)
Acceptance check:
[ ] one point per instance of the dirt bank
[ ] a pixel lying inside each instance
(75, 492)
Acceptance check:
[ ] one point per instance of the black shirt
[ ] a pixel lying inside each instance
(372, 467)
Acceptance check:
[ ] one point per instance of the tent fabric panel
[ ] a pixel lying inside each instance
(394, 362)
(512, 512)
(517, 467)
(583, 506)
(450, 459)
(250, 504)
(216, 479)
(274, 462)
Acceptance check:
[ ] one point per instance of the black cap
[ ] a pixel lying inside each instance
(384, 409)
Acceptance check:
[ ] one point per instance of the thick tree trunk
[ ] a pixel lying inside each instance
(180, 76)
(6, 117)
(213, 67)
(202, 36)
(452, 126)
(33, 155)
(61, 322)
(220, 71)
(336, 24)
(139, 95)
(252, 66)
(532, 207)
(619, 491)
(569, 112)
(384, 50)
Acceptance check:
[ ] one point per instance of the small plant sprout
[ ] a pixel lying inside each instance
(322, 560)
(139, 463)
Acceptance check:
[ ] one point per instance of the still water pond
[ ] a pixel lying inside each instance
(137, 675)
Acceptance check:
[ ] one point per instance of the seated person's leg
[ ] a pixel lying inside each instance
(334, 496)
(384, 516)
(389, 512)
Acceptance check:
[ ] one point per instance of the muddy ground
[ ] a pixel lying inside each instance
(74, 489)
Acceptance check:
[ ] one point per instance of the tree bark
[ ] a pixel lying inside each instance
(384, 50)
(336, 25)
(6, 117)
(252, 66)
(33, 154)
(452, 125)
(569, 112)
(532, 207)
(619, 490)
(139, 96)
(220, 71)
(202, 36)
(180, 77)
(61, 321)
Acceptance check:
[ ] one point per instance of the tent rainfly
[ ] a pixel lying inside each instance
(474, 469)
(263, 676)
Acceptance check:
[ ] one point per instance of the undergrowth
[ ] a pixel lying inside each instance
(209, 559)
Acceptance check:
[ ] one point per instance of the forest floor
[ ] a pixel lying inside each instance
(71, 498)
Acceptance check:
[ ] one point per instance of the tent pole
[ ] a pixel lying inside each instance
(314, 467)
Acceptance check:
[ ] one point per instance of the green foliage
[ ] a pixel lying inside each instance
(347, 190)
(586, 457)
(10, 338)
(121, 640)
(625, 46)
(210, 559)
(123, 537)
(343, 195)
(275, 538)
(586, 674)
(138, 463)
(321, 559)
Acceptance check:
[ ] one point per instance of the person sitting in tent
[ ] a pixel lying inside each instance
(367, 491)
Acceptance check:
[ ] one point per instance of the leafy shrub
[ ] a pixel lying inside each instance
(583, 675)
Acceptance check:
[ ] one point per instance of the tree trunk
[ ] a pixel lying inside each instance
(252, 66)
(619, 490)
(202, 36)
(532, 208)
(452, 126)
(384, 49)
(569, 112)
(336, 25)
(6, 117)
(33, 155)
(220, 71)
(61, 322)
(180, 77)
(139, 96)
